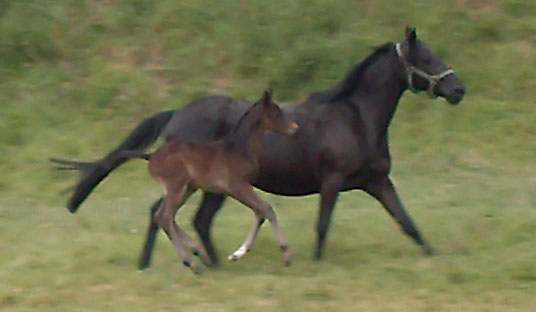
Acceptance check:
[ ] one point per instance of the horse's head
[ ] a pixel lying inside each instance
(273, 117)
(426, 72)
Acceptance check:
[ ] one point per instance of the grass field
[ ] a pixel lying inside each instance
(76, 76)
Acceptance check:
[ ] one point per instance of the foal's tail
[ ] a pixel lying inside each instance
(143, 136)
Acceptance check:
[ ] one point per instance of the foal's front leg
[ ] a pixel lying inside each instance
(248, 243)
(246, 195)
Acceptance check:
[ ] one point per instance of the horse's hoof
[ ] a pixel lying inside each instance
(215, 262)
(317, 256)
(428, 250)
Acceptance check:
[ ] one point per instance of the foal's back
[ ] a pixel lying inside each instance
(205, 166)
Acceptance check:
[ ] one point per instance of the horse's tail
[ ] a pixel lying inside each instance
(143, 136)
(132, 154)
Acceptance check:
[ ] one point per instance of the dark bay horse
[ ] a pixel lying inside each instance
(227, 166)
(342, 143)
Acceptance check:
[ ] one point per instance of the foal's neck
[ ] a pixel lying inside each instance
(246, 137)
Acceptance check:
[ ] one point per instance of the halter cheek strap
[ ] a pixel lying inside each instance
(433, 80)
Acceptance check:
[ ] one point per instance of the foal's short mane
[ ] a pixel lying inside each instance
(344, 88)
(244, 117)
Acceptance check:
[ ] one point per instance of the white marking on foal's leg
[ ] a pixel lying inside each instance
(239, 253)
(248, 243)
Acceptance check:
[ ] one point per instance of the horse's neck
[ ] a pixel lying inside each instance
(246, 138)
(376, 97)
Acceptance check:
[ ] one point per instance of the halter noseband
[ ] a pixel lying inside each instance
(433, 80)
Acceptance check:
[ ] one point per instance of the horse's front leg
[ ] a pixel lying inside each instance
(384, 191)
(210, 205)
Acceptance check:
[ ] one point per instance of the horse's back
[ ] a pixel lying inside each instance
(205, 120)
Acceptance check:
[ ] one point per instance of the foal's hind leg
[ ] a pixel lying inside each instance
(165, 217)
(246, 195)
(197, 248)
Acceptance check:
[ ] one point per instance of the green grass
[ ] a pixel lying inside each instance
(76, 76)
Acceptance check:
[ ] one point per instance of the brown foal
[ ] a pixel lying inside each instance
(227, 166)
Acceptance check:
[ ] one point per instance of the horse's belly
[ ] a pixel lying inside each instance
(286, 183)
(285, 167)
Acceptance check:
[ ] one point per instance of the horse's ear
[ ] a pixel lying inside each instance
(411, 35)
(267, 96)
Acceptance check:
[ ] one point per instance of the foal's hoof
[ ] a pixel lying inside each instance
(203, 256)
(194, 267)
(232, 258)
(239, 253)
(286, 255)
(197, 270)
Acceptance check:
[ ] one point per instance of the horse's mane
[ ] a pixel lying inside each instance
(344, 88)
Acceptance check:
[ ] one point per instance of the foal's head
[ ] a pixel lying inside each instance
(272, 117)
(426, 72)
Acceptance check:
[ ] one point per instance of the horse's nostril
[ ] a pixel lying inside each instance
(460, 90)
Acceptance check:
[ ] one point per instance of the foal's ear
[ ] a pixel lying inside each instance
(267, 96)
(411, 35)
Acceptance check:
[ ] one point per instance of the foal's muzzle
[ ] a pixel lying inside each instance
(292, 128)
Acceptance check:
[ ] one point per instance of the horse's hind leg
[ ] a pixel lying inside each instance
(145, 257)
(246, 195)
